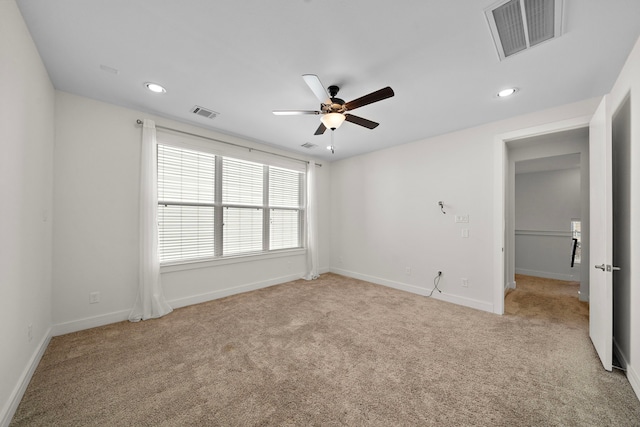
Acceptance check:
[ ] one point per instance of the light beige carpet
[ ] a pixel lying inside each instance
(335, 351)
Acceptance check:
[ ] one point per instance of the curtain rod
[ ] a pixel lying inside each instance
(139, 122)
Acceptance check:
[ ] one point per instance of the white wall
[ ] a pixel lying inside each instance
(629, 82)
(26, 163)
(96, 232)
(385, 215)
(545, 203)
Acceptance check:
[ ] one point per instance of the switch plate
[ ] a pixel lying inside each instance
(461, 218)
(464, 233)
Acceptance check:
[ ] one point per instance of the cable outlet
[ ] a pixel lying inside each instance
(407, 270)
(465, 283)
(94, 297)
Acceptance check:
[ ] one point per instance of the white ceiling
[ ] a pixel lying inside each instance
(245, 58)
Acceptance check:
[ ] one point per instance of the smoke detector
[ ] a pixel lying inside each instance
(518, 25)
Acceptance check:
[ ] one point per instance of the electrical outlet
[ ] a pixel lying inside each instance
(30, 332)
(464, 233)
(465, 283)
(407, 270)
(94, 297)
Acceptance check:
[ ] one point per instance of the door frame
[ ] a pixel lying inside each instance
(501, 158)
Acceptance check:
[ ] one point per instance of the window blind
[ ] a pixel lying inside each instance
(210, 206)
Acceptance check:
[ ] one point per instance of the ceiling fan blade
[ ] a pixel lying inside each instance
(317, 88)
(294, 112)
(320, 129)
(376, 96)
(360, 121)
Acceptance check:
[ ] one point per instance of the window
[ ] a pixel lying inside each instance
(576, 234)
(210, 206)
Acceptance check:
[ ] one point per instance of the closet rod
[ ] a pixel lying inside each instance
(139, 122)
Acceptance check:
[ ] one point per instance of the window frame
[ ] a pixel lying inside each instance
(221, 152)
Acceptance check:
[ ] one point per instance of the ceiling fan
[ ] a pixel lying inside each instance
(334, 110)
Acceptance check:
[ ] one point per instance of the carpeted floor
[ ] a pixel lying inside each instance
(336, 351)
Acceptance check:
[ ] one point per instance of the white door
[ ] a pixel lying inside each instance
(601, 234)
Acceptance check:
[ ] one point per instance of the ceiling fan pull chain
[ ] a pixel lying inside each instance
(332, 131)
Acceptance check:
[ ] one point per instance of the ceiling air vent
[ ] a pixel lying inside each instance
(203, 112)
(308, 145)
(517, 25)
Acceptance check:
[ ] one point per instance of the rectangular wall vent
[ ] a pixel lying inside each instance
(518, 25)
(308, 145)
(203, 112)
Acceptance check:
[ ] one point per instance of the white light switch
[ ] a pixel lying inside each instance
(461, 218)
(465, 233)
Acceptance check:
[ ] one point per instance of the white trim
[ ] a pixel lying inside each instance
(9, 409)
(509, 285)
(548, 233)
(619, 354)
(499, 201)
(120, 316)
(90, 322)
(466, 302)
(547, 275)
(499, 223)
(216, 262)
(634, 380)
(221, 293)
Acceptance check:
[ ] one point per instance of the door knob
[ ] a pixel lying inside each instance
(601, 267)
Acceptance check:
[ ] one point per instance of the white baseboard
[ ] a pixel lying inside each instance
(634, 380)
(619, 354)
(455, 299)
(90, 322)
(547, 275)
(221, 293)
(509, 285)
(120, 316)
(11, 405)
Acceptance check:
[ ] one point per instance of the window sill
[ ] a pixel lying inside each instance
(191, 265)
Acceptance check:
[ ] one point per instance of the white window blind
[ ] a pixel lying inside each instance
(285, 193)
(211, 206)
(186, 195)
(242, 182)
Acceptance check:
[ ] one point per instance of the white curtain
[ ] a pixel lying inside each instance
(312, 223)
(150, 301)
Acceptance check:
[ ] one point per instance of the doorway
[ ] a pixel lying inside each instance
(547, 191)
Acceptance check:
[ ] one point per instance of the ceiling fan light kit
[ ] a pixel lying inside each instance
(333, 110)
(332, 120)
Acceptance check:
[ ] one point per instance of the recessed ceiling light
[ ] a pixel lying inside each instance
(154, 87)
(507, 92)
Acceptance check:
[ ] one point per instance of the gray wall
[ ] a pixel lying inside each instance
(545, 203)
